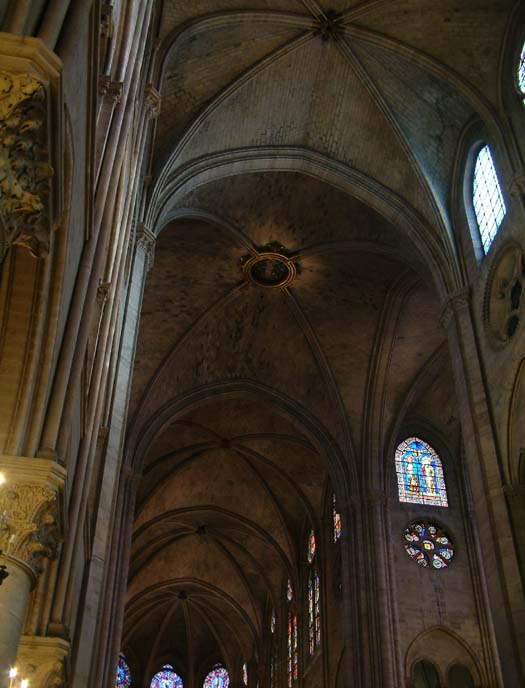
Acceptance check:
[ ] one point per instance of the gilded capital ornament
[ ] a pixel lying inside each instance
(43, 661)
(31, 518)
(27, 206)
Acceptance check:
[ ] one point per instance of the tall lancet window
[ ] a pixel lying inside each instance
(521, 72)
(314, 607)
(292, 639)
(487, 198)
(420, 478)
(337, 520)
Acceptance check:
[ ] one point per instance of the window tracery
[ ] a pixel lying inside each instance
(420, 478)
(428, 545)
(217, 678)
(166, 678)
(314, 611)
(487, 198)
(293, 648)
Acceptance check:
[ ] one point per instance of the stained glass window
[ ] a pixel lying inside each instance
(337, 521)
(217, 678)
(314, 612)
(293, 649)
(311, 546)
(521, 71)
(272, 621)
(420, 477)
(487, 198)
(166, 678)
(428, 545)
(245, 674)
(123, 677)
(289, 590)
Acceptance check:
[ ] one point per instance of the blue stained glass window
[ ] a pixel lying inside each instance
(123, 677)
(217, 678)
(420, 477)
(166, 678)
(487, 198)
(521, 71)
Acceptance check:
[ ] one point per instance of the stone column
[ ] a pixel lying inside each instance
(500, 571)
(30, 529)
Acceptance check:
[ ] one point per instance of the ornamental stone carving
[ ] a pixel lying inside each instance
(43, 661)
(29, 523)
(24, 168)
(27, 99)
(152, 100)
(146, 239)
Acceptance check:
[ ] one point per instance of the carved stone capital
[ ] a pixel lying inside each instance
(31, 514)
(517, 186)
(43, 661)
(454, 304)
(146, 239)
(29, 89)
(103, 291)
(112, 89)
(152, 101)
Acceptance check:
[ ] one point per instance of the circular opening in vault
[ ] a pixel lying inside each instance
(270, 270)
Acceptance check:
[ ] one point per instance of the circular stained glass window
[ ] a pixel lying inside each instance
(428, 545)
(166, 678)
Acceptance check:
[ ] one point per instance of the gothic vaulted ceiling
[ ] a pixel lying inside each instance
(326, 132)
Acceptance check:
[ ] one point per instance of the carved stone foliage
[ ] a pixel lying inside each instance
(152, 101)
(25, 171)
(146, 239)
(29, 523)
(504, 298)
(43, 661)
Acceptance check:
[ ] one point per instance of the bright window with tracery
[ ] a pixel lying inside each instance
(337, 520)
(123, 677)
(293, 649)
(217, 678)
(166, 678)
(289, 590)
(245, 674)
(420, 477)
(521, 71)
(487, 198)
(273, 621)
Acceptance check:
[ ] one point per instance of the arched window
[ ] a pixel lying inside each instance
(521, 72)
(420, 477)
(166, 678)
(337, 520)
(487, 198)
(217, 678)
(425, 675)
(272, 621)
(292, 639)
(123, 677)
(273, 651)
(245, 674)
(460, 677)
(314, 607)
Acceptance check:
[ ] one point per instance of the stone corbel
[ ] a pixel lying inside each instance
(30, 143)
(43, 661)
(32, 516)
(456, 302)
(112, 89)
(152, 101)
(145, 238)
